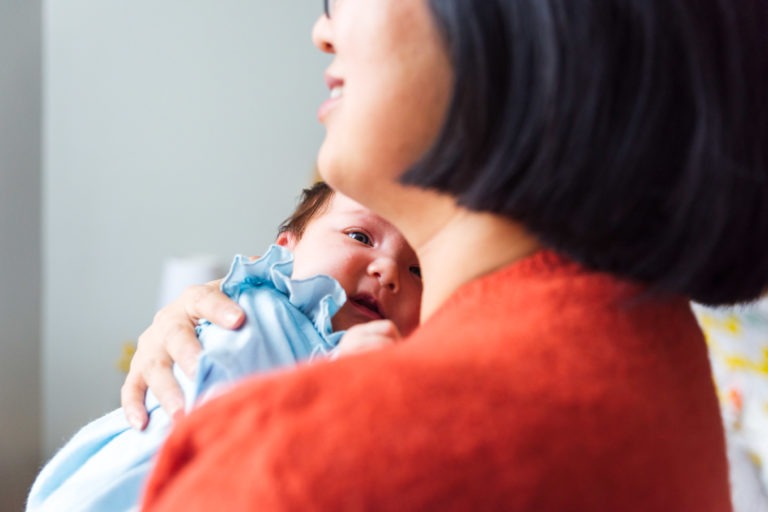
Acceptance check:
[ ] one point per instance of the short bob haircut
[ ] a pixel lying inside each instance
(631, 135)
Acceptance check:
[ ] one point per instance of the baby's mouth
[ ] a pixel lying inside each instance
(367, 305)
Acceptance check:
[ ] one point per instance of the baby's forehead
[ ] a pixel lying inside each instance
(342, 205)
(348, 211)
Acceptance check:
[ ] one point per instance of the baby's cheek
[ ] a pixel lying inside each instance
(409, 321)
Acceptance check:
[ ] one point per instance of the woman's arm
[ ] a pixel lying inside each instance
(171, 338)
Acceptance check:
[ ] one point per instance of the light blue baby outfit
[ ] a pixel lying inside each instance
(104, 466)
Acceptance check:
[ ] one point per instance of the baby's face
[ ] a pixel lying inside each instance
(371, 260)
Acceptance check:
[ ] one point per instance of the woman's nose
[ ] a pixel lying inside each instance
(385, 270)
(321, 34)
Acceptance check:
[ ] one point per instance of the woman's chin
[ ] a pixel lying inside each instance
(328, 165)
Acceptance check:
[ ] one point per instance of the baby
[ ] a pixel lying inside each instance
(294, 312)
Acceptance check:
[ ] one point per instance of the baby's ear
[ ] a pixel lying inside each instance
(287, 239)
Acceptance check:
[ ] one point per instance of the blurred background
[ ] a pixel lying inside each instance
(133, 136)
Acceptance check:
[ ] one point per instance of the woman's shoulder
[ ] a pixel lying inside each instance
(550, 294)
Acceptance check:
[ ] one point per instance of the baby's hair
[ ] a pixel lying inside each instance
(313, 201)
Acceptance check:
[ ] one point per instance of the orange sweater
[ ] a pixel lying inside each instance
(540, 387)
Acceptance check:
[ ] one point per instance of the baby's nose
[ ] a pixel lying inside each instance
(385, 270)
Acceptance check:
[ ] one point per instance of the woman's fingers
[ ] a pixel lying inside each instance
(132, 399)
(172, 338)
(151, 368)
(197, 302)
(209, 302)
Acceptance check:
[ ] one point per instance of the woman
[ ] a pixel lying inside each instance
(570, 173)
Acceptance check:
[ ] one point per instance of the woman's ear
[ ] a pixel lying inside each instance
(287, 239)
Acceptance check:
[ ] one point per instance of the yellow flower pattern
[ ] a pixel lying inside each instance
(737, 339)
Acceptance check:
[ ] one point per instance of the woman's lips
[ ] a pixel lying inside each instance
(336, 87)
(326, 107)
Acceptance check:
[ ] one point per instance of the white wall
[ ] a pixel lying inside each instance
(172, 127)
(19, 248)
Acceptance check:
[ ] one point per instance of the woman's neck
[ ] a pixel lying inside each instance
(454, 245)
(469, 245)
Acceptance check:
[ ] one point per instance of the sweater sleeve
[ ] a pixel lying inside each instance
(328, 437)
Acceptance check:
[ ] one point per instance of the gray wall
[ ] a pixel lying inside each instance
(19, 247)
(172, 127)
(169, 128)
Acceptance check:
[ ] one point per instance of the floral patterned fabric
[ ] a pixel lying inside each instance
(737, 338)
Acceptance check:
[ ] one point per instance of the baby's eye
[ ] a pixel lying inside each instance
(360, 237)
(415, 270)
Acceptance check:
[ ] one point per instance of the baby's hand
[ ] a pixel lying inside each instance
(367, 336)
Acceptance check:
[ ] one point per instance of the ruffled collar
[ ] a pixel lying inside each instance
(318, 297)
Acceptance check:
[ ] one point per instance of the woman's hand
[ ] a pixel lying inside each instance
(367, 336)
(171, 338)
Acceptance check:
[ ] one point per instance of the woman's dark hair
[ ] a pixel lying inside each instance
(313, 200)
(631, 135)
